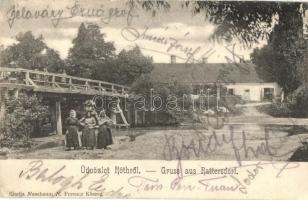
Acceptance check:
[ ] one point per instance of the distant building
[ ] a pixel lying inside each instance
(239, 78)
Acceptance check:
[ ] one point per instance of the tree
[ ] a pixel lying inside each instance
(89, 52)
(267, 62)
(282, 58)
(31, 53)
(245, 20)
(277, 66)
(127, 67)
(133, 64)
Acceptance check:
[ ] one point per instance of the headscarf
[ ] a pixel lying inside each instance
(73, 113)
(104, 119)
(102, 112)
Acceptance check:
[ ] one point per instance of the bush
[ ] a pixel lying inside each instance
(23, 116)
(170, 94)
(298, 102)
(276, 110)
(295, 105)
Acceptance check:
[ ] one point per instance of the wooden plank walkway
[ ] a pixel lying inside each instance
(45, 82)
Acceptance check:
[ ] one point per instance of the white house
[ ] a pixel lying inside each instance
(254, 91)
(239, 78)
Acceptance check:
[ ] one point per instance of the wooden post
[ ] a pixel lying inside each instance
(53, 115)
(129, 113)
(136, 117)
(100, 87)
(55, 111)
(27, 78)
(58, 117)
(70, 83)
(16, 93)
(53, 80)
(87, 85)
(3, 95)
(143, 117)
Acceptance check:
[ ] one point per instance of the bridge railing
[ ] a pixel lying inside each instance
(42, 79)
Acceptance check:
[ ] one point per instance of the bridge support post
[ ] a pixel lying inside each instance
(16, 93)
(136, 117)
(56, 119)
(143, 117)
(3, 96)
(130, 113)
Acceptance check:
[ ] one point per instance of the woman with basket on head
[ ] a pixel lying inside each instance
(89, 123)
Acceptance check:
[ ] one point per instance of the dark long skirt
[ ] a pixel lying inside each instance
(88, 137)
(104, 137)
(109, 137)
(72, 137)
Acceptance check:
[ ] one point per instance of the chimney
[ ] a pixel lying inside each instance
(204, 60)
(173, 59)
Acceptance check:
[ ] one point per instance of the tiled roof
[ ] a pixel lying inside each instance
(205, 73)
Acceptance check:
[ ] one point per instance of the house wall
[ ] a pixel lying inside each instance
(256, 90)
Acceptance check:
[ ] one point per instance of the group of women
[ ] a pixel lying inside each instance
(89, 124)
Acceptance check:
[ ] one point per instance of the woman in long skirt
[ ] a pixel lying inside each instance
(88, 132)
(72, 131)
(104, 136)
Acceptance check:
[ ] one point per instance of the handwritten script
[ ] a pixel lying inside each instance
(37, 171)
(106, 15)
(206, 144)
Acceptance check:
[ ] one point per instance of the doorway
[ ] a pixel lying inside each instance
(246, 95)
(268, 94)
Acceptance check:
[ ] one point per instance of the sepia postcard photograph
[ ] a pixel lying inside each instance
(154, 99)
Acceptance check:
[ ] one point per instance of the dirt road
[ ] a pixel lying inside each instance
(249, 135)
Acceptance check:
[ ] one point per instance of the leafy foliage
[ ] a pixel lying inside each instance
(150, 5)
(267, 62)
(276, 110)
(89, 51)
(281, 60)
(23, 115)
(132, 64)
(93, 57)
(297, 101)
(31, 53)
(177, 93)
(293, 107)
(247, 21)
(125, 68)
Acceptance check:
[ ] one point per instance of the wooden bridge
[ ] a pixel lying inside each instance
(54, 85)
(39, 81)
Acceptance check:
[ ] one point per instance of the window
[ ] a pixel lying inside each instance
(231, 91)
(268, 94)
